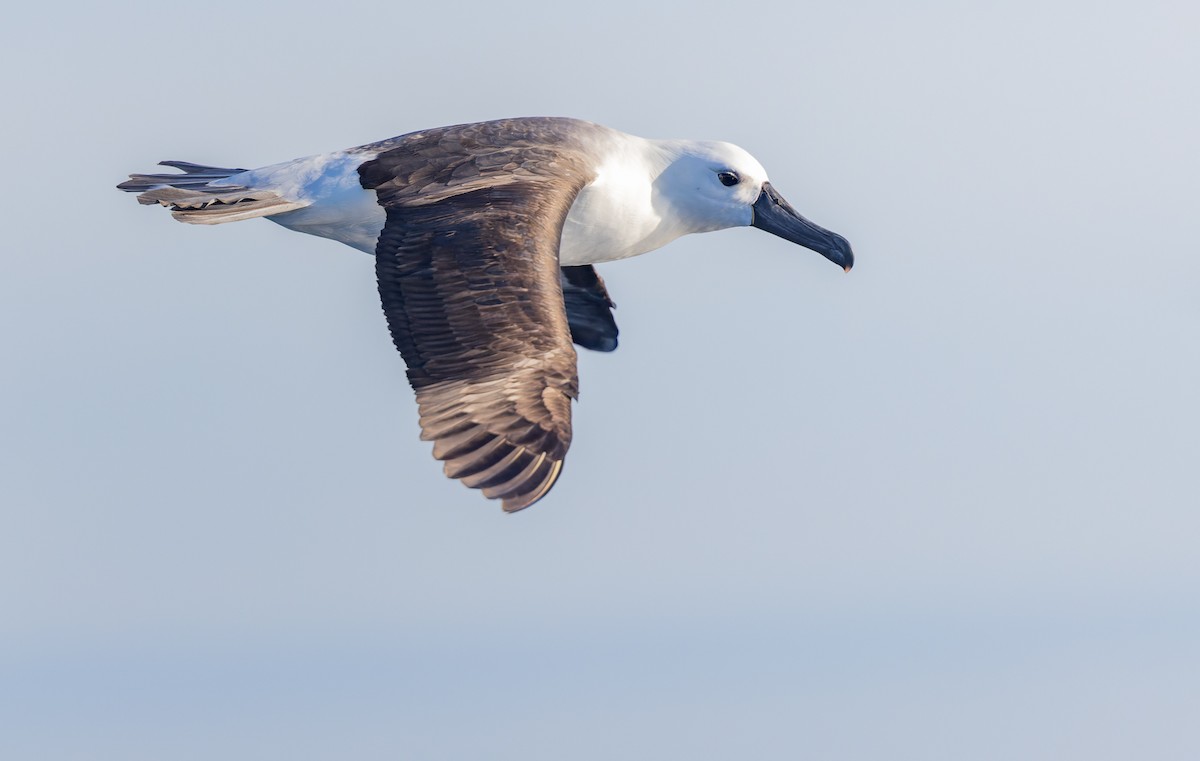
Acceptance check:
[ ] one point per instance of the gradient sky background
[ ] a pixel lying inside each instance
(943, 507)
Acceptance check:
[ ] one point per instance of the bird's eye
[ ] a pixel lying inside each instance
(728, 179)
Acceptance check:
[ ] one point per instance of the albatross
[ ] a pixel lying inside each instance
(484, 237)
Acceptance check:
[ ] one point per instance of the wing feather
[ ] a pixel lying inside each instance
(589, 308)
(470, 283)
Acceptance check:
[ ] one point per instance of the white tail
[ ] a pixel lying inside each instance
(193, 198)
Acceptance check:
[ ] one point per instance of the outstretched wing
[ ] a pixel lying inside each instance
(468, 275)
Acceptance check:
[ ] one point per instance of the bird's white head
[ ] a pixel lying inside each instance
(709, 185)
(713, 185)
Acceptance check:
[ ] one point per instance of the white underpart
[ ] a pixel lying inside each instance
(614, 216)
(338, 206)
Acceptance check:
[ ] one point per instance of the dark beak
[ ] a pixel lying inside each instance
(776, 216)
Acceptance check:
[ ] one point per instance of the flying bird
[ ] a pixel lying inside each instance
(484, 237)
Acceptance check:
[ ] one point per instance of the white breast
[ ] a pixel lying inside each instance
(615, 217)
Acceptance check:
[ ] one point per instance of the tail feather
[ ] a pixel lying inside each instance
(190, 168)
(193, 198)
(194, 176)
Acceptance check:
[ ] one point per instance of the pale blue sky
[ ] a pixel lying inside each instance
(943, 507)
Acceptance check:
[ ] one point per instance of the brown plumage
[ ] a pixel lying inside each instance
(469, 279)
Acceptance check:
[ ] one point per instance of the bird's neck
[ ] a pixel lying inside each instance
(619, 214)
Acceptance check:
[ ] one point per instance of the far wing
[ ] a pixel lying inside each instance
(589, 308)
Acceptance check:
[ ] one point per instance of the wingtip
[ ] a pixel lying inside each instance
(516, 504)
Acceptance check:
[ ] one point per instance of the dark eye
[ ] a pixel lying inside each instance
(728, 179)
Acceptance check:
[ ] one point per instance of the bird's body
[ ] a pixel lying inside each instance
(338, 206)
(484, 235)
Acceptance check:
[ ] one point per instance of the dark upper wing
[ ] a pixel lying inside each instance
(469, 279)
(589, 308)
